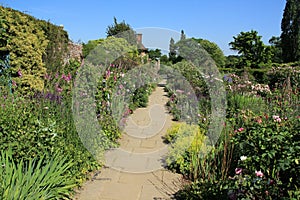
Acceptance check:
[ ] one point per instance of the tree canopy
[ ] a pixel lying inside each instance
(290, 27)
(122, 30)
(213, 50)
(154, 54)
(251, 48)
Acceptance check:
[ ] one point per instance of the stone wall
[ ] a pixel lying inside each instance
(74, 52)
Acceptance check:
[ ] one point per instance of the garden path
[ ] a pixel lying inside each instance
(135, 170)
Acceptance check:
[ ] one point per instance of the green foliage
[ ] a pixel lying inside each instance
(290, 35)
(46, 126)
(57, 48)
(154, 54)
(185, 140)
(276, 49)
(233, 62)
(196, 80)
(140, 97)
(213, 50)
(88, 47)
(257, 155)
(172, 52)
(35, 47)
(252, 49)
(182, 35)
(26, 44)
(111, 49)
(122, 30)
(271, 144)
(37, 178)
(3, 40)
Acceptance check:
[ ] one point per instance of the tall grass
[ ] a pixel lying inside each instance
(38, 178)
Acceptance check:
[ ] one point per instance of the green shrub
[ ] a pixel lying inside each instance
(38, 126)
(185, 140)
(272, 146)
(140, 97)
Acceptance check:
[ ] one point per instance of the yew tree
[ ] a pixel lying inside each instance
(290, 35)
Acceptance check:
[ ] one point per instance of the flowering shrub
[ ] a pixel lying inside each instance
(242, 85)
(270, 168)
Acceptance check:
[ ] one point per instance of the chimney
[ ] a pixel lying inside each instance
(139, 38)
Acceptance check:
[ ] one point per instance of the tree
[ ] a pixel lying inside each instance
(182, 36)
(213, 50)
(252, 49)
(172, 51)
(122, 30)
(290, 35)
(111, 50)
(154, 54)
(276, 49)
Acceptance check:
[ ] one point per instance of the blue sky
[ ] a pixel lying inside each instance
(215, 20)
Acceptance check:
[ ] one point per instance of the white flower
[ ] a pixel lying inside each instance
(243, 158)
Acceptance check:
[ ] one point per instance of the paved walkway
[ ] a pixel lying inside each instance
(135, 171)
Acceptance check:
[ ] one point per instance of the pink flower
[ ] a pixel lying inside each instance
(240, 129)
(238, 171)
(259, 120)
(69, 76)
(47, 76)
(66, 78)
(259, 174)
(278, 120)
(107, 74)
(59, 89)
(275, 117)
(20, 73)
(180, 91)
(14, 83)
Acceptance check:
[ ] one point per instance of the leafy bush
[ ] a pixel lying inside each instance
(37, 178)
(38, 126)
(184, 140)
(140, 97)
(272, 146)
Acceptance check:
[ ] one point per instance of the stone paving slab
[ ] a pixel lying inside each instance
(135, 170)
